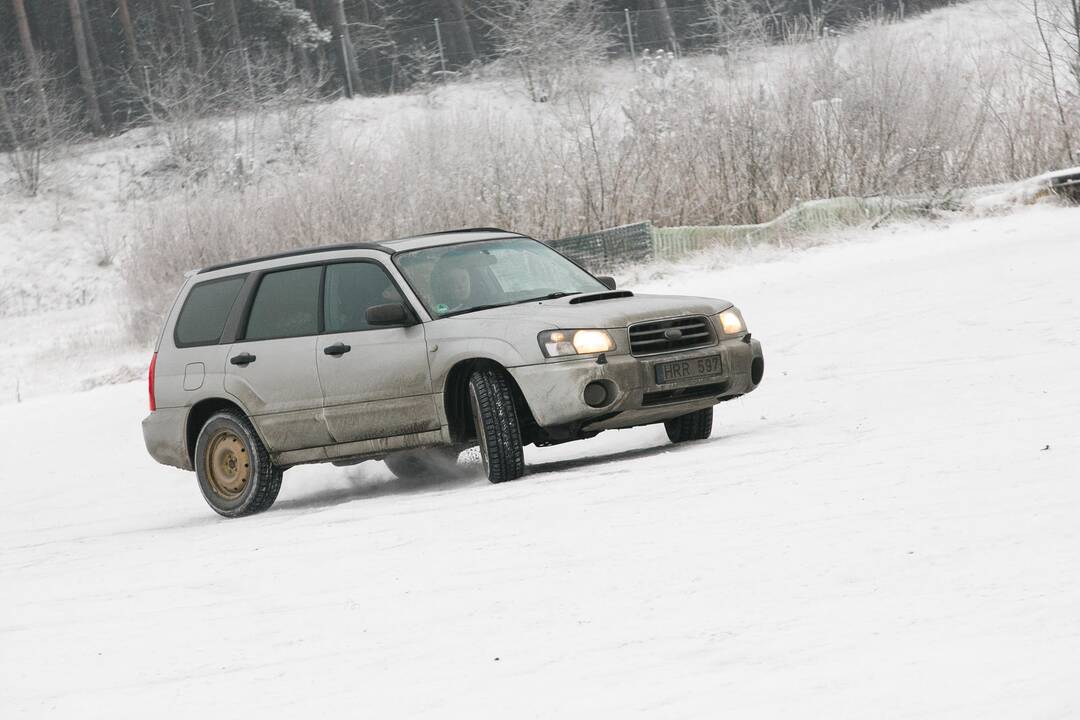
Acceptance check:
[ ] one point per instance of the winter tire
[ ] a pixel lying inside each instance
(496, 421)
(234, 469)
(692, 426)
(429, 462)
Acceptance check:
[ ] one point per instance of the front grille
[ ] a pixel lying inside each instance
(660, 336)
(683, 394)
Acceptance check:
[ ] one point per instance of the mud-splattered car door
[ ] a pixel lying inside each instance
(271, 369)
(375, 379)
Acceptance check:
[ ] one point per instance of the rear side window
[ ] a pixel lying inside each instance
(286, 305)
(351, 288)
(205, 310)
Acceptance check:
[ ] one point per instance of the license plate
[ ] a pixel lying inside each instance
(686, 369)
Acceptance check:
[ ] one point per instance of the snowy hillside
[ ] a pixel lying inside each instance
(887, 528)
(62, 297)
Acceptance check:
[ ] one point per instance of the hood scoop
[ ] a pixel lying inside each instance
(593, 297)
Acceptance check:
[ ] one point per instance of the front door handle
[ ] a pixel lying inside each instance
(337, 349)
(242, 359)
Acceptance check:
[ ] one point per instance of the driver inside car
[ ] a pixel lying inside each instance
(453, 287)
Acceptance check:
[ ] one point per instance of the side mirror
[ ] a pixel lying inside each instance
(607, 280)
(388, 314)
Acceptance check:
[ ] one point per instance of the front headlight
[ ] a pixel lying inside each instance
(731, 321)
(575, 342)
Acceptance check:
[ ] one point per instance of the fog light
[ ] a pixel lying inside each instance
(757, 370)
(597, 394)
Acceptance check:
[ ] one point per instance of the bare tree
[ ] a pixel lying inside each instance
(124, 15)
(31, 131)
(1059, 34)
(191, 35)
(663, 18)
(29, 52)
(235, 39)
(736, 24)
(455, 11)
(547, 41)
(86, 74)
(343, 46)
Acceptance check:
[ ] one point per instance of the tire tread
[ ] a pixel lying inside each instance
(692, 426)
(506, 457)
(267, 480)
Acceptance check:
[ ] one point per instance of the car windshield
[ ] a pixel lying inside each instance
(456, 279)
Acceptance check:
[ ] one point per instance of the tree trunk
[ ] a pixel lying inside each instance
(231, 16)
(91, 41)
(455, 10)
(667, 29)
(129, 32)
(372, 69)
(8, 125)
(85, 74)
(191, 36)
(344, 47)
(302, 59)
(31, 57)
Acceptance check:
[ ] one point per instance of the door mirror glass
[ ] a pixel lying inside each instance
(388, 314)
(607, 280)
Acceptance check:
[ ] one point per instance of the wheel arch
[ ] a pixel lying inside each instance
(202, 411)
(456, 400)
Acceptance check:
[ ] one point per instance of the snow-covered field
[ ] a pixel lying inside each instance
(887, 528)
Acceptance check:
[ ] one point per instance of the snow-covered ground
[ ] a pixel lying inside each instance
(887, 528)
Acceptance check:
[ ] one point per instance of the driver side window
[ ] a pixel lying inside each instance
(351, 288)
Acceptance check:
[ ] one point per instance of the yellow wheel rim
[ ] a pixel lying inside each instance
(228, 466)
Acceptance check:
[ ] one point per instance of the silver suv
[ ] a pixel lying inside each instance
(412, 350)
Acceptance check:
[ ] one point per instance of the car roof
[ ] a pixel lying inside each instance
(448, 237)
(413, 242)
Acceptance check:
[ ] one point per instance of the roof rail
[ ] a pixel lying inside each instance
(295, 253)
(462, 230)
(342, 246)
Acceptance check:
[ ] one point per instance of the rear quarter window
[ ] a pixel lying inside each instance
(207, 307)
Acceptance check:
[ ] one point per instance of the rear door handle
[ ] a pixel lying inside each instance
(242, 359)
(337, 349)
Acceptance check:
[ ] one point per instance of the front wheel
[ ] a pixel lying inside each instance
(692, 426)
(234, 469)
(497, 429)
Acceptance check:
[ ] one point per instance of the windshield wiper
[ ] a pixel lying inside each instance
(549, 296)
(474, 309)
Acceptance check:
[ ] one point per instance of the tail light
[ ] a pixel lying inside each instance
(150, 382)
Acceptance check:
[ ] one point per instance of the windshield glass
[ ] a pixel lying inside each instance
(455, 279)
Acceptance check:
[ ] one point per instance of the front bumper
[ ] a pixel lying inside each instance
(556, 391)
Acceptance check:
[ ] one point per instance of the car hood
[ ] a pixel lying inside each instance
(601, 310)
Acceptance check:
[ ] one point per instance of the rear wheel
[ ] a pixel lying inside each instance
(429, 462)
(496, 422)
(234, 469)
(692, 426)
